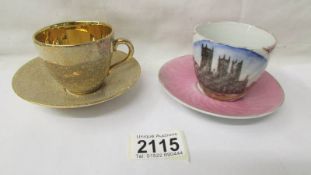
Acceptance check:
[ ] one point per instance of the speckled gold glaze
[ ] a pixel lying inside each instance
(78, 54)
(35, 84)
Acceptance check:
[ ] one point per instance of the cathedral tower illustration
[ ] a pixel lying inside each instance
(236, 68)
(223, 66)
(224, 79)
(207, 58)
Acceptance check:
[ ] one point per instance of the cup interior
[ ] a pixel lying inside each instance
(236, 34)
(72, 33)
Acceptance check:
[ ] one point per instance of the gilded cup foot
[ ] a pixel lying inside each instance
(85, 92)
(220, 96)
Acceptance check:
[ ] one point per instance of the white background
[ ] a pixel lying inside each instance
(35, 140)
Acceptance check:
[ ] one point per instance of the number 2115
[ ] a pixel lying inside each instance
(173, 145)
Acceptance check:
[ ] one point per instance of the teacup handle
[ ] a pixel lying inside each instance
(130, 46)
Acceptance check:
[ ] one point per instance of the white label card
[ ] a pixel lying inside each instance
(164, 145)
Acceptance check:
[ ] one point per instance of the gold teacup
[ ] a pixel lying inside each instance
(78, 54)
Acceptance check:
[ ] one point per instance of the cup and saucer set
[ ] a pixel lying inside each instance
(79, 65)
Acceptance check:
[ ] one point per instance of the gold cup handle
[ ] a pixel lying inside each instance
(130, 46)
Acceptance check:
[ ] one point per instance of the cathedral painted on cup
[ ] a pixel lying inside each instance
(225, 77)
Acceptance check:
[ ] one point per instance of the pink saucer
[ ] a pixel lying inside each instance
(179, 80)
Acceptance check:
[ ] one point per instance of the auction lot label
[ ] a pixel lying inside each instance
(164, 145)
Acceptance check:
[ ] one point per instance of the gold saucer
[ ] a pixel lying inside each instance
(33, 83)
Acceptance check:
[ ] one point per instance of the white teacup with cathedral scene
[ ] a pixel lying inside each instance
(229, 57)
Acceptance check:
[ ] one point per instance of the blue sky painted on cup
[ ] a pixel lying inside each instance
(253, 63)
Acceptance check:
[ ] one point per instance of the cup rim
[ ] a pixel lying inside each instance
(239, 23)
(71, 23)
